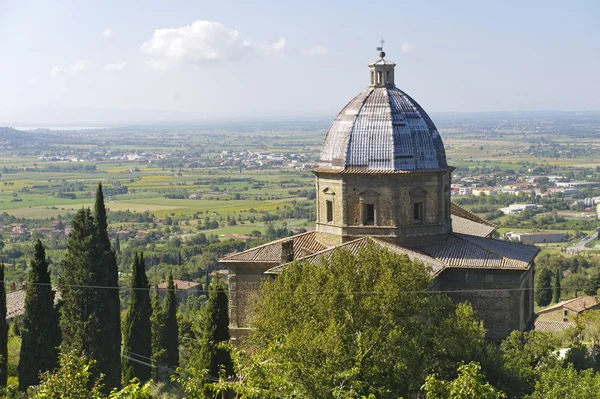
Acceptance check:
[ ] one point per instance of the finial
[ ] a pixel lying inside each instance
(380, 49)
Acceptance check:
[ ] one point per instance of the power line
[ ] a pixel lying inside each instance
(447, 291)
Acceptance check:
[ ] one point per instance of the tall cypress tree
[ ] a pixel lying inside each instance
(3, 331)
(110, 306)
(40, 335)
(557, 286)
(157, 322)
(137, 348)
(171, 326)
(216, 330)
(543, 287)
(80, 323)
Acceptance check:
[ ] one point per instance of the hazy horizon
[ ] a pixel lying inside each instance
(82, 62)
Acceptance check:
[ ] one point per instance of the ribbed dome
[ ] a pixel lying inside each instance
(383, 129)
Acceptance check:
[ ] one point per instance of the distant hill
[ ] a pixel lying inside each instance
(8, 134)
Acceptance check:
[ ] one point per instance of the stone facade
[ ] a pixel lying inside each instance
(502, 299)
(343, 200)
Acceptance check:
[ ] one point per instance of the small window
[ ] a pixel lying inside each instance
(566, 312)
(566, 320)
(418, 212)
(369, 214)
(379, 77)
(329, 211)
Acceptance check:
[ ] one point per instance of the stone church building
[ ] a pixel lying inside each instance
(383, 178)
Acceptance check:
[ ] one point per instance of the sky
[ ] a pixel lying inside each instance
(69, 61)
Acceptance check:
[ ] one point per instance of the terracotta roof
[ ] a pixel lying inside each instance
(15, 302)
(465, 251)
(181, 285)
(545, 326)
(577, 305)
(354, 248)
(466, 226)
(458, 210)
(457, 251)
(303, 244)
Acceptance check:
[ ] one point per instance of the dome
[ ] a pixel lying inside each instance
(384, 129)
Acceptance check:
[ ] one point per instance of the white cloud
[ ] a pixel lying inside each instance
(56, 71)
(107, 32)
(80, 66)
(77, 67)
(279, 45)
(117, 66)
(406, 47)
(314, 51)
(202, 42)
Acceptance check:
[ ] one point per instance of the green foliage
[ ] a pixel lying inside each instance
(470, 384)
(159, 340)
(40, 337)
(80, 323)
(137, 346)
(525, 355)
(216, 331)
(108, 307)
(556, 288)
(355, 326)
(171, 325)
(75, 379)
(567, 383)
(543, 287)
(3, 331)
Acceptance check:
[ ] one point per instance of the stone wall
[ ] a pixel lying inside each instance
(392, 195)
(245, 281)
(501, 298)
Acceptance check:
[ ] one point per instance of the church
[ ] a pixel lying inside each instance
(383, 178)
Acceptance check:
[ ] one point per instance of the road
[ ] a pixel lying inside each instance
(580, 246)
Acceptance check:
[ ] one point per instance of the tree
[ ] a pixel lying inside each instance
(543, 290)
(556, 288)
(74, 379)
(109, 309)
(355, 325)
(525, 355)
(470, 384)
(594, 283)
(80, 322)
(216, 330)
(159, 352)
(40, 336)
(3, 331)
(171, 327)
(567, 383)
(137, 346)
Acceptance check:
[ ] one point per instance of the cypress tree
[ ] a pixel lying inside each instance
(117, 245)
(137, 343)
(40, 337)
(80, 324)
(543, 287)
(171, 326)
(216, 330)
(3, 332)
(109, 312)
(557, 286)
(157, 322)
